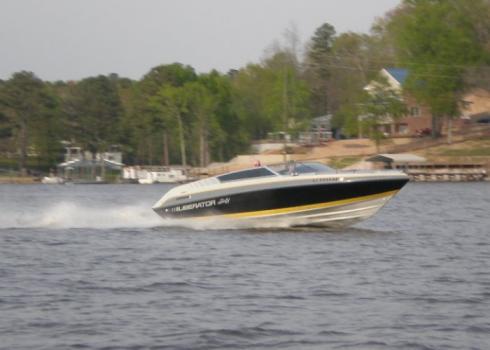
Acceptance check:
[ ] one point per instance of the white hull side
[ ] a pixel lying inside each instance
(340, 216)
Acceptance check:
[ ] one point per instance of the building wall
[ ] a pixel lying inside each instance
(475, 102)
(419, 117)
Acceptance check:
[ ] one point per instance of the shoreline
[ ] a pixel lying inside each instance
(35, 181)
(19, 180)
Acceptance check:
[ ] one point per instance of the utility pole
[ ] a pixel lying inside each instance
(285, 110)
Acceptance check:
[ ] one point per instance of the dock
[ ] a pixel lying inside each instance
(419, 169)
(449, 172)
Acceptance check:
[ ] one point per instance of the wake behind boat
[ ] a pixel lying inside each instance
(298, 194)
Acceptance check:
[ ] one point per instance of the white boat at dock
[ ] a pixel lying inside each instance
(151, 175)
(52, 180)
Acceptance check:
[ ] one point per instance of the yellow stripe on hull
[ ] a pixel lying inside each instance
(270, 212)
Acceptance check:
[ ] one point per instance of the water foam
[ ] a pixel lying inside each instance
(217, 223)
(69, 214)
(75, 215)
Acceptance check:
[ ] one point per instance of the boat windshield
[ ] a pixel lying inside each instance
(246, 174)
(302, 168)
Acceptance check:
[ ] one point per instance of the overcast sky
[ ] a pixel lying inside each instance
(69, 39)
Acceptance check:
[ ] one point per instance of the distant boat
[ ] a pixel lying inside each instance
(147, 177)
(52, 180)
(146, 181)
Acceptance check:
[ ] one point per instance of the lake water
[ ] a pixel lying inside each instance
(92, 267)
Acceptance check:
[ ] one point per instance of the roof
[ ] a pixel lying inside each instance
(399, 74)
(396, 77)
(86, 163)
(322, 118)
(397, 158)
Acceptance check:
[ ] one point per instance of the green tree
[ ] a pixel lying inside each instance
(438, 40)
(381, 104)
(351, 68)
(151, 132)
(202, 107)
(318, 67)
(172, 104)
(126, 91)
(228, 136)
(93, 113)
(251, 88)
(322, 41)
(272, 96)
(30, 108)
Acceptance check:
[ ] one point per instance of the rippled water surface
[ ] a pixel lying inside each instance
(91, 267)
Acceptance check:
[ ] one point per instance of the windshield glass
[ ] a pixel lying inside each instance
(302, 168)
(245, 174)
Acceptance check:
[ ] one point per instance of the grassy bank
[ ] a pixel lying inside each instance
(342, 162)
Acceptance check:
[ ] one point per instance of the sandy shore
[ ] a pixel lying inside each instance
(18, 180)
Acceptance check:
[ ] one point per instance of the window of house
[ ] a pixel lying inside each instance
(414, 111)
(466, 104)
(402, 128)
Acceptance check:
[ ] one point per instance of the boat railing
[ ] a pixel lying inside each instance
(368, 171)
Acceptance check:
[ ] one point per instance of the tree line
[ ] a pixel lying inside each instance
(173, 115)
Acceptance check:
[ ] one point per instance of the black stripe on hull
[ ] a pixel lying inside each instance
(280, 198)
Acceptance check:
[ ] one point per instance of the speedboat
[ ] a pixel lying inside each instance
(292, 194)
